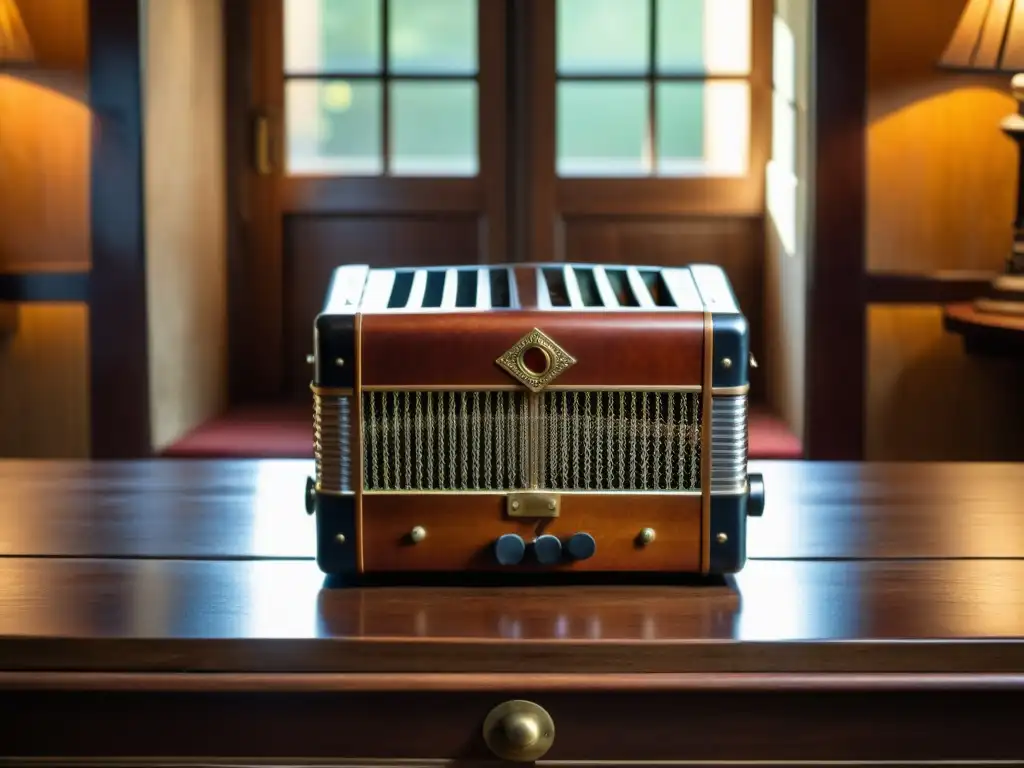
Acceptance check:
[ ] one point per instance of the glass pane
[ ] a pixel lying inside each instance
(332, 36)
(703, 128)
(703, 36)
(602, 129)
(434, 37)
(333, 127)
(433, 128)
(603, 37)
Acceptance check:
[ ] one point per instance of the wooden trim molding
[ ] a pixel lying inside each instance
(836, 335)
(118, 336)
(19, 288)
(927, 288)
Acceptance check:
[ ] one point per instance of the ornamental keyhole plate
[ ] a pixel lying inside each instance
(535, 360)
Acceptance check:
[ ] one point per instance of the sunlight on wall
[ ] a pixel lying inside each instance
(782, 182)
(725, 22)
(45, 127)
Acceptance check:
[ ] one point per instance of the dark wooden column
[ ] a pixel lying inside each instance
(118, 340)
(836, 336)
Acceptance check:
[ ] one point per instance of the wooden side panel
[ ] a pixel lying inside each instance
(927, 401)
(629, 349)
(315, 246)
(941, 176)
(44, 396)
(461, 530)
(736, 245)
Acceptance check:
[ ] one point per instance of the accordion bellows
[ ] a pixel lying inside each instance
(531, 417)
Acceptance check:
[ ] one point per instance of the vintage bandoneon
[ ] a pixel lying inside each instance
(531, 417)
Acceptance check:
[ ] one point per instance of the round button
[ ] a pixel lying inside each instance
(581, 546)
(548, 549)
(509, 549)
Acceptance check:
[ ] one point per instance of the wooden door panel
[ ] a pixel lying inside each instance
(315, 245)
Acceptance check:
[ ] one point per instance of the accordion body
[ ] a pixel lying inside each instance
(531, 417)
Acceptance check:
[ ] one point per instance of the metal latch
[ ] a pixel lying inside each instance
(533, 504)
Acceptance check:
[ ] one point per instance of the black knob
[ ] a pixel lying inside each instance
(547, 549)
(581, 546)
(310, 496)
(755, 501)
(509, 549)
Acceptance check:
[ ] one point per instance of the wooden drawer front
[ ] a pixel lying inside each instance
(461, 530)
(594, 726)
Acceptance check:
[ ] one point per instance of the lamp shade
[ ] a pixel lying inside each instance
(988, 38)
(15, 45)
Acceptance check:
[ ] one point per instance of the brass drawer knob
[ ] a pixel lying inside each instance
(520, 731)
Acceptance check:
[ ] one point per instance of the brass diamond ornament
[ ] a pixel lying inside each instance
(536, 360)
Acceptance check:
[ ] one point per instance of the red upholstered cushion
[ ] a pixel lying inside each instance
(252, 432)
(770, 438)
(286, 432)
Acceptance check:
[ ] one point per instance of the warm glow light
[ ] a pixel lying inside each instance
(15, 45)
(727, 37)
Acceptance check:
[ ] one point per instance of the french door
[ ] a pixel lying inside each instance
(377, 137)
(404, 132)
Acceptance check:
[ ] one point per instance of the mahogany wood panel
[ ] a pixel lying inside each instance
(630, 349)
(316, 245)
(735, 244)
(461, 531)
(782, 617)
(189, 509)
(798, 726)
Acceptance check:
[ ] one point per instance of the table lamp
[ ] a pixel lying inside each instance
(15, 46)
(990, 38)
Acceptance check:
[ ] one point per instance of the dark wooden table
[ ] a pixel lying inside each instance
(171, 611)
(986, 333)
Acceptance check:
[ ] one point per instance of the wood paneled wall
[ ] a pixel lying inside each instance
(44, 401)
(941, 178)
(45, 127)
(185, 214)
(44, 172)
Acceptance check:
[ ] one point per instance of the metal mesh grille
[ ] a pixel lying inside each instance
(331, 442)
(445, 440)
(505, 440)
(620, 440)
